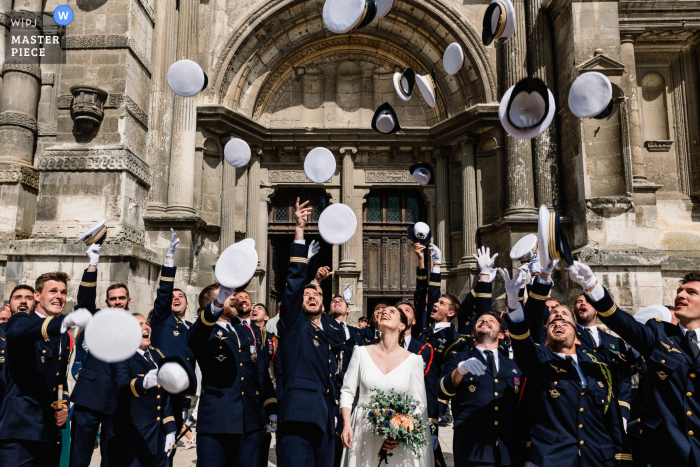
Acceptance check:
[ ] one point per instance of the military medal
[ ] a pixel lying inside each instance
(516, 381)
(220, 358)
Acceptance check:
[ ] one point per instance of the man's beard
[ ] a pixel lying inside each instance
(335, 314)
(585, 323)
(230, 313)
(485, 337)
(243, 314)
(308, 312)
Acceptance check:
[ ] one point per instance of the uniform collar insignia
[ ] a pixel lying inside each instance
(220, 335)
(670, 349)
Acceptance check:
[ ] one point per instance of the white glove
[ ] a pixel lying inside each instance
(473, 366)
(436, 442)
(79, 318)
(314, 247)
(169, 443)
(151, 379)
(93, 254)
(485, 261)
(534, 265)
(272, 427)
(512, 287)
(347, 293)
(550, 268)
(582, 275)
(174, 242)
(435, 254)
(523, 269)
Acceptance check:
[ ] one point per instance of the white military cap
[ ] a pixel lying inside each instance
(420, 233)
(426, 84)
(186, 78)
(591, 96)
(524, 248)
(653, 312)
(341, 16)
(404, 83)
(319, 165)
(383, 8)
(551, 240)
(175, 375)
(385, 120)
(237, 152)
(113, 335)
(337, 224)
(237, 264)
(423, 173)
(453, 58)
(499, 22)
(527, 108)
(97, 233)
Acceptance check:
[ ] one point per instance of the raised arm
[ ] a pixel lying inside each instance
(419, 296)
(124, 384)
(22, 329)
(434, 283)
(87, 291)
(201, 330)
(293, 295)
(162, 307)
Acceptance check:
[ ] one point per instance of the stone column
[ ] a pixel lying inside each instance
(521, 199)
(628, 85)
(228, 201)
(442, 183)
(181, 182)
(252, 225)
(347, 249)
(544, 147)
(160, 106)
(469, 214)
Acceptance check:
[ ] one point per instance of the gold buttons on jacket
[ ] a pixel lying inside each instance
(581, 409)
(496, 422)
(158, 408)
(241, 364)
(495, 394)
(556, 382)
(242, 393)
(241, 378)
(689, 394)
(581, 442)
(583, 393)
(157, 419)
(495, 408)
(690, 433)
(689, 413)
(327, 391)
(581, 425)
(663, 361)
(43, 351)
(692, 375)
(495, 380)
(57, 374)
(330, 376)
(158, 396)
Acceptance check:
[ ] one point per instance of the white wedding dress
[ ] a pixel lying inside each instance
(406, 378)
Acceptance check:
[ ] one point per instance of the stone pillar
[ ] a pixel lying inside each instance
(181, 182)
(160, 109)
(253, 218)
(628, 85)
(228, 201)
(469, 214)
(544, 147)
(521, 199)
(347, 249)
(442, 184)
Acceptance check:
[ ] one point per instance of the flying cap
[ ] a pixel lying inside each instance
(341, 16)
(499, 22)
(524, 248)
(385, 120)
(113, 335)
(237, 264)
(426, 84)
(423, 173)
(527, 109)
(591, 96)
(420, 233)
(175, 375)
(453, 58)
(551, 239)
(319, 165)
(337, 224)
(404, 83)
(653, 311)
(237, 152)
(97, 233)
(383, 8)
(186, 78)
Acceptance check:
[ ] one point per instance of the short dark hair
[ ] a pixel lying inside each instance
(363, 319)
(690, 277)
(316, 287)
(22, 287)
(552, 299)
(408, 303)
(263, 307)
(182, 292)
(115, 287)
(381, 302)
(57, 276)
(497, 316)
(207, 295)
(454, 300)
(337, 296)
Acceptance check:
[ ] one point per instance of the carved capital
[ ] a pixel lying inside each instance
(18, 119)
(16, 173)
(88, 107)
(28, 68)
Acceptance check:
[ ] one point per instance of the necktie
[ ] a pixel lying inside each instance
(590, 336)
(149, 359)
(491, 361)
(691, 345)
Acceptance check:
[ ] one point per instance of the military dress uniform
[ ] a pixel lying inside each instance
(576, 424)
(143, 417)
(233, 391)
(36, 365)
(669, 431)
(93, 395)
(306, 432)
(486, 431)
(169, 334)
(3, 356)
(478, 300)
(268, 349)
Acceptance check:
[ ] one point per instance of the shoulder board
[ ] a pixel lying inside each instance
(657, 320)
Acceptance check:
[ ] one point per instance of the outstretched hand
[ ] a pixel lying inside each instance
(512, 287)
(301, 213)
(323, 273)
(486, 261)
(418, 250)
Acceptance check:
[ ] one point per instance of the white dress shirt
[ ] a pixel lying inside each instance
(439, 326)
(596, 334)
(495, 356)
(406, 341)
(60, 346)
(696, 339)
(143, 354)
(578, 368)
(345, 326)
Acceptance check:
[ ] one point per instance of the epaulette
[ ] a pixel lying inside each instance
(150, 347)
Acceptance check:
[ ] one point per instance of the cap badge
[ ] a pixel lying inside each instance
(662, 375)
(472, 388)
(176, 333)
(316, 343)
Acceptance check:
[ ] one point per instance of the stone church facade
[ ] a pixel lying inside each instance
(101, 135)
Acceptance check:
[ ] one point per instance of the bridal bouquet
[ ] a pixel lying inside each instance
(397, 417)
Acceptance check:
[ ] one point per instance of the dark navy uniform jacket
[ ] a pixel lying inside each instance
(478, 300)
(309, 363)
(431, 373)
(3, 356)
(670, 425)
(168, 332)
(233, 388)
(141, 413)
(93, 387)
(444, 340)
(484, 409)
(34, 370)
(570, 420)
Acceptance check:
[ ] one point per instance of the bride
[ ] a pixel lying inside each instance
(386, 366)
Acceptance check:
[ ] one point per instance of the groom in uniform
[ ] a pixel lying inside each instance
(309, 372)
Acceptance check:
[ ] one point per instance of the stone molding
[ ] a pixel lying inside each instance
(106, 41)
(17, 173)
(47, 129)
(388, 176)
(76, 160)
(658, 146)
(150, 11)
(18, 119)
(114, 101)
(288, 176)
(610, 204)
(29, 68)
(48, 79)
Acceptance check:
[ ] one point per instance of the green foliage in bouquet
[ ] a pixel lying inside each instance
(397, 416)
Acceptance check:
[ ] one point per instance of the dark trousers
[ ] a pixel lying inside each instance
(176, 402)
(84, 425)
(225, 450)
(265, 442)
(302, 444)
(461, 463)
(21, 453)
(122, 454)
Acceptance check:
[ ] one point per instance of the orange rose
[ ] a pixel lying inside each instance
(396, 421)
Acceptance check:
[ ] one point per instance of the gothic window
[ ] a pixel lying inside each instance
(282, 208)
(374, 208)
(412, 209)
(394, 207)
